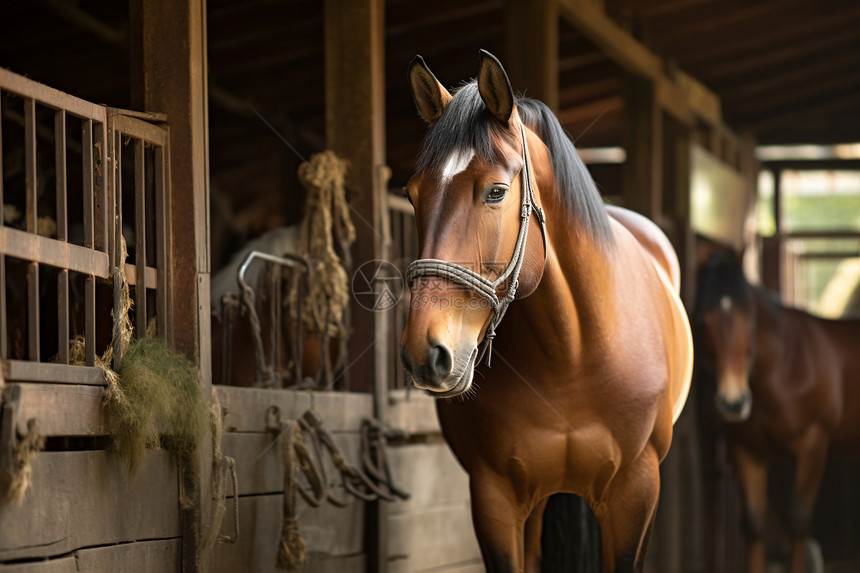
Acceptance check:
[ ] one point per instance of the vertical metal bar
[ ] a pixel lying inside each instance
(161, 240)
(62, 235)
(31, 218)
(90, 181)
(140, 237)
(4, 344)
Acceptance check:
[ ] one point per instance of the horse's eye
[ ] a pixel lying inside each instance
(496, 194)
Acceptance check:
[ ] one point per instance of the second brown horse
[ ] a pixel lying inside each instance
(788, 385)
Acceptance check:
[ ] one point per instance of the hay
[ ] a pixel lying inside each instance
(155, 402)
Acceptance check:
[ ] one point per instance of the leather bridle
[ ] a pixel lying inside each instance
(481, 285)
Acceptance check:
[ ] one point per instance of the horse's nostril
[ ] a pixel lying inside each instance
(734, 407)
(439, 360)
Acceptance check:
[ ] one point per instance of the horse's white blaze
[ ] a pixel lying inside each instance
(457, 163)
(725, 303)
(733, 387)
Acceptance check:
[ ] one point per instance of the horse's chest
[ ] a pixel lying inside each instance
(546, 442)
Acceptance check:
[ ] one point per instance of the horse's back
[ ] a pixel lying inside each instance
(661, 253)
(840, 339)
(653, 240)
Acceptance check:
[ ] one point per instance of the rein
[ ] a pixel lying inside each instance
(481, 285)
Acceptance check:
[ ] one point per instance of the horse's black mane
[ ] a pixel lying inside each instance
(467, 125)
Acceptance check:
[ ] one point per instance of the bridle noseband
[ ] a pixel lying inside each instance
(481, 285)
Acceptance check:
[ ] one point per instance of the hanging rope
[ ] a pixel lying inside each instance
(303, 444)
(326, 214)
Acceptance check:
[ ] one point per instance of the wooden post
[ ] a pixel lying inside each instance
(643, 171)
(685, 237)
(772, 248)
(168, 47)
(355, 131)
(531, 55)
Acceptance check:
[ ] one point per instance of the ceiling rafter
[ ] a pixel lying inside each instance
(763, 61)
(766, 35)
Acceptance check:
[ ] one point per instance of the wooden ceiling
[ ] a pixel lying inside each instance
(786, 70)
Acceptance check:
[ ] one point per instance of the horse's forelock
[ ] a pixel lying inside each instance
(722, 277)
(466, 127)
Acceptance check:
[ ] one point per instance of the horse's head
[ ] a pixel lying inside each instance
(726, 315)
(474, 198)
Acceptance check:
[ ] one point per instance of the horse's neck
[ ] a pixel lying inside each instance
(770, 339)
(568, 305)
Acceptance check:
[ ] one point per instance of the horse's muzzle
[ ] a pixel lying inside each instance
(735, 409)
(438, 373)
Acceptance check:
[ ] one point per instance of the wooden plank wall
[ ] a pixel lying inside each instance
(432, 531)
(82, 512)
(334, 536)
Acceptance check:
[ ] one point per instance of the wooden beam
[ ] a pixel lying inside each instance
(643, 170)
(761, 39)
(841, 65)
(732, 20)
(764, 61)
(610, 38)
(801, 94)
(355, 131)
(662, 7)
(168, 47)
(801, 110)
(680, 94)
(591, 110)
(531, 54)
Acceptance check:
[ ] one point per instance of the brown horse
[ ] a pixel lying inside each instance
(788, 385)
(591, 365)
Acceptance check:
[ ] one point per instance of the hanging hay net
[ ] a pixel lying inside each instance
(153, 397)
(326, 220)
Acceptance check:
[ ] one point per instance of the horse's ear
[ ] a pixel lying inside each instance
(429, 95)
(495, 87)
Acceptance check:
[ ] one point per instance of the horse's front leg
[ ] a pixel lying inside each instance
(811, 459)
(499, 523)
(626, 514)
(533, 531)
(752, 474)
